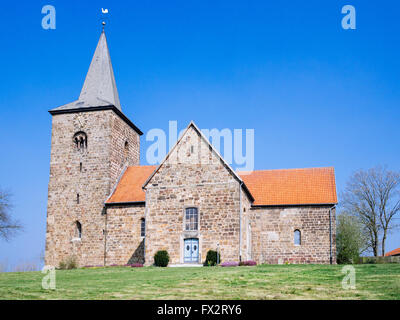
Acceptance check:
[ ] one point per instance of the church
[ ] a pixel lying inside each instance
(104, 208)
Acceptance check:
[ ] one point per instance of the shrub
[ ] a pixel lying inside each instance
(72, 263)
(161, 258)
(212, 258)
(247, 263)
(229, 264)
(69, 263)
(350, 239)
(371, 260)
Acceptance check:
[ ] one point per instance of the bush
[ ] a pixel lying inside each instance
(69, 263)
(247, 263)
(229, 264)
(350, 239)
(212, 258)
(161, 258)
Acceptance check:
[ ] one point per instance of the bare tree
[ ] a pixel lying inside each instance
(8, 226)
(374, 197)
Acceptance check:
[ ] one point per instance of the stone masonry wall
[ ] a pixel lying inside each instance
(124, 243)
(121, 133)
(192, 176)
(273, 234)
(100, 165)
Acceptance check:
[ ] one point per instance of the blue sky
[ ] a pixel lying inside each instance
(315, 94)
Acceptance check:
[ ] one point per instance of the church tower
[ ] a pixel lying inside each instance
(92, 142)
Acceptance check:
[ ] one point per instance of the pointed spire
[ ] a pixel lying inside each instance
(99, 88)
(99, 91)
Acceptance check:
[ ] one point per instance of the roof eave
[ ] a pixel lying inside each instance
(98, 108)
(125, 203)
(294, 205)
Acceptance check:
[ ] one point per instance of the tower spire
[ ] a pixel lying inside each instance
(99, 87)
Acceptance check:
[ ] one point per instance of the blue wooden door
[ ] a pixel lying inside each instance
(191, 250)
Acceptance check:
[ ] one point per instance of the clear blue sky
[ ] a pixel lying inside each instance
(316, 95)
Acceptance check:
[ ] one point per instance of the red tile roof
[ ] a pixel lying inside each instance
(129, 188)
(268, 187)
(291, 186)
(394, 252)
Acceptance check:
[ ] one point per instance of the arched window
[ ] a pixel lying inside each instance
(126, 150)
(191, 219)
(142, 227)
(80, 140)
(78, 230)
(297, 237)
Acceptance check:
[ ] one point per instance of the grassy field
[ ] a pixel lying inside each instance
(261, 282)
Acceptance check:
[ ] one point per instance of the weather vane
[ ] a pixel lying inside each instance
(104, 11)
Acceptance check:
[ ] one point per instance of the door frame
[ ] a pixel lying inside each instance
(189, 235)
(193, 243)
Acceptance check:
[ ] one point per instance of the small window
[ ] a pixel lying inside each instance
(191, 219)
(142, 227)
(297, 237)
(80, 167)
(77, 198)
(78, 230)
(80, 140)
(126, 150)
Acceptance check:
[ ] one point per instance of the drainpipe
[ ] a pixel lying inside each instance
(145, 225)
(105, 235)
(240, 221)
(217, 253)
(330, 234)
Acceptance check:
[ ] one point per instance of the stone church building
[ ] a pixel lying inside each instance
(105, 208)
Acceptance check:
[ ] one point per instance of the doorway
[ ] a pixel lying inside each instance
(191, 250)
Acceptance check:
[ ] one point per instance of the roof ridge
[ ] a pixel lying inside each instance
(288, 169)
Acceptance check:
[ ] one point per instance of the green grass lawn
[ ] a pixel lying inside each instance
(379, 281)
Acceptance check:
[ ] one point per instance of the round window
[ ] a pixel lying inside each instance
(187, 248)
(195, 248)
